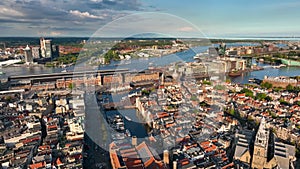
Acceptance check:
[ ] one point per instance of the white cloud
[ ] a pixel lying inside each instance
(55, 33)
(80, 17)
(4, 11)
(84, 14)
(186, 29)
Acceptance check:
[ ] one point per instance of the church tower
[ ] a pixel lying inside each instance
(260, 152)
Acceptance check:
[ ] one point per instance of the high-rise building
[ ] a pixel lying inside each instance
(55, 51)
(28, 55)
(46, 48)
(35, 52)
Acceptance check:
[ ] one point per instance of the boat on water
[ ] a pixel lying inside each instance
(251, 80)
(199, 55)
(279, 66)
(235, 73)
(136, 92)
(120, 126)
(290, 62)
(118, 123)
(127, 132)
(127, 118)
(255, 80)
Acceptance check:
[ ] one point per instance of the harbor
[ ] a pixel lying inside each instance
(125, 122)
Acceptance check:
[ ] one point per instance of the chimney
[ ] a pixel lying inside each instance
(134, 141)
(166, 157)
(174, 164)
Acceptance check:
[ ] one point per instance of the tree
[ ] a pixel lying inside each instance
(289, 88)
(71, 86)
(261, 96)
(232, 112)
(277, 89)
(206, 82)
(266, 85)
(283, 102)
(219, 87)
(194, 98)
(248, 92)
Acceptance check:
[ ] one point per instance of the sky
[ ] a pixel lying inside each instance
(213, 18)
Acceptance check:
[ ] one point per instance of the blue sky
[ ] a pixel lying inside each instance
(216, 18)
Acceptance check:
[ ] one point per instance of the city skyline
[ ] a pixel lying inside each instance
(213, 18)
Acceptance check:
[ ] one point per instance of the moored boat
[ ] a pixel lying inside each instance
(127, 132)
(234, 73)
(127, 118)
(290, 62)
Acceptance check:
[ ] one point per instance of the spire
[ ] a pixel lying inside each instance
(27, 48)
(262, 135)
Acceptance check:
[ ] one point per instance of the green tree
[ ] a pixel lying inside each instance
(266, 85)
(232, 112)
(219, 87)
(261, 96)
(289, 88)
(206, 82)
(194, 98)
(283, 102)
(248, 92)
(71, 86)
(228, 81)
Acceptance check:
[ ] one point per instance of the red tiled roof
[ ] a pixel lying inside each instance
(37, 165)
(58, 162)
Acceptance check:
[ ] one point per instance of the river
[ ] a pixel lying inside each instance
(136, 128)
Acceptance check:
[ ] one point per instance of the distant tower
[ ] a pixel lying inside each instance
(46, 48)
(43, 47)
(260, 152)
(28, 55)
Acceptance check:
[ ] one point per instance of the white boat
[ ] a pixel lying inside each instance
(120, 126)
(279, 66)
(131, 94)
(127, 132)
(197, 56)
(127, 118)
